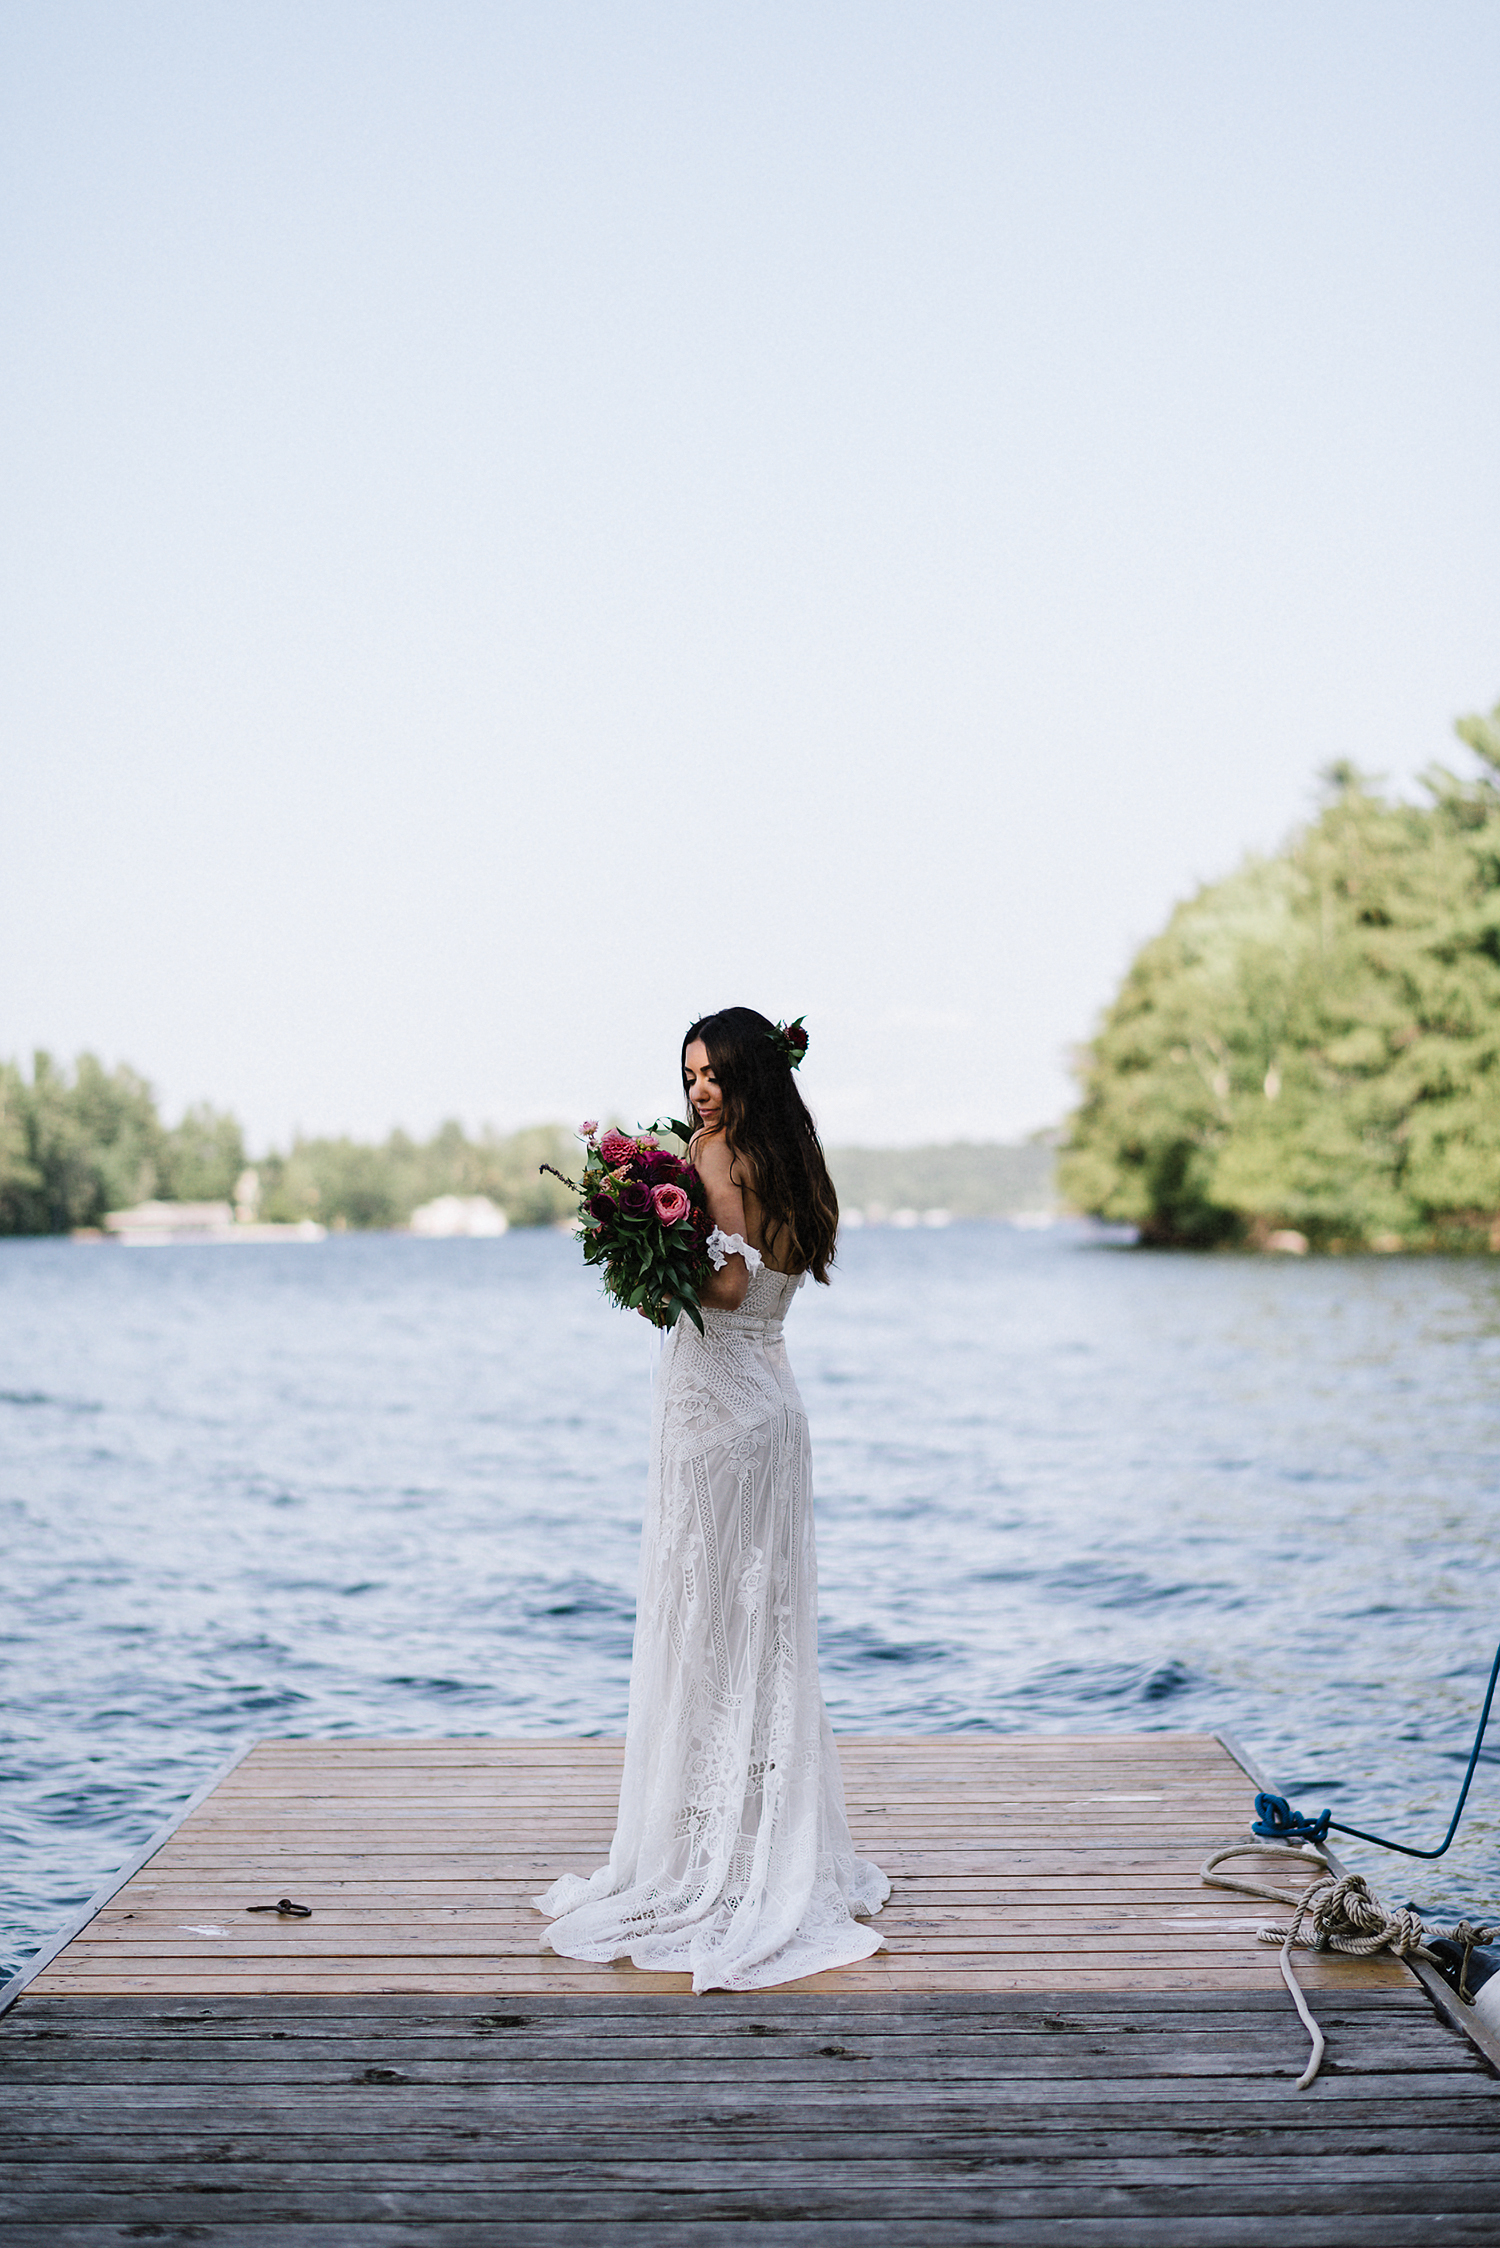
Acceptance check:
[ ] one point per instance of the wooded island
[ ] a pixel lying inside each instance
(1310, 1050)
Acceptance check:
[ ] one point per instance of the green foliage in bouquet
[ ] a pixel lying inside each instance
(644, 1222)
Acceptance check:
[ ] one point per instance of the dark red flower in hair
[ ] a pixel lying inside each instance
(790, 1041)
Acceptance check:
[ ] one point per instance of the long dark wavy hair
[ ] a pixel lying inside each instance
(766, 1122)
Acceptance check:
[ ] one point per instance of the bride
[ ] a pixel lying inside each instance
(732, 1859)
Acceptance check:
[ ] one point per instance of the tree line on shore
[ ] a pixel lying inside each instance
(1310, 1049)
(77, 1144)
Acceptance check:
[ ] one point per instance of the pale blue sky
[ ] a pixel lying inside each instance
(523, 523)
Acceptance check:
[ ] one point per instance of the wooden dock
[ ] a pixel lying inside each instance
(1068, 2039)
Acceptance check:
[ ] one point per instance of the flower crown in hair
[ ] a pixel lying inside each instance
(790, 1041)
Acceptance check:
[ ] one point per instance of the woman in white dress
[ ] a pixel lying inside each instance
(732, 1859)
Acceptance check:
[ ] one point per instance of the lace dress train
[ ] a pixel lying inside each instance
(732, 1859)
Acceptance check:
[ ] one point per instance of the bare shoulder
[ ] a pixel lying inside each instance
(712, 1156)
(720, 1165)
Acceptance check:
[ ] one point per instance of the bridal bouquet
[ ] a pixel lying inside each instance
(642, 1217)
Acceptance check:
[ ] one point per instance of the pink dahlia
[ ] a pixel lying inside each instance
(669, 1203)
(616, 1149)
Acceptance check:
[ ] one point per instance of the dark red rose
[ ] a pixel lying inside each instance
(662, 1169)
(635, 1199)
(797, 1036)
(602, 1207)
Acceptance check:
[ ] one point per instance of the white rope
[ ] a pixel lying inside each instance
(1342, 1914)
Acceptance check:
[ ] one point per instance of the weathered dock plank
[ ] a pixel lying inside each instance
(308, 2123)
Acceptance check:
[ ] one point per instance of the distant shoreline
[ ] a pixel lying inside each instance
(946, 1180)
(83, 1147)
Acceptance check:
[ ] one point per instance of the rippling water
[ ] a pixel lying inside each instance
(391, 1486)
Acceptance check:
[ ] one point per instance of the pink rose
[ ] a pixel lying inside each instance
(588, 1128)
(669, 1203)
(615, 1148)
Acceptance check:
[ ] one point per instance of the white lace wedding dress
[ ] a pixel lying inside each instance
(732, 1859)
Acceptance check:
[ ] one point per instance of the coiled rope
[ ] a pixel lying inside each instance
(1339, 1913)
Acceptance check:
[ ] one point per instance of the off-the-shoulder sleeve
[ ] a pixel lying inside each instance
(721, 1246)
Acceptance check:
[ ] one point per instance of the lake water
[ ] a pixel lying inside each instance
(382, 1485)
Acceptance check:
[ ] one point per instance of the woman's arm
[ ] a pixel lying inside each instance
(724, 1290)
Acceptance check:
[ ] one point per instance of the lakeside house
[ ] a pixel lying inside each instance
(162, 1225)
(472, 1217)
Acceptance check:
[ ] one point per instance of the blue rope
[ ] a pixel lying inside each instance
(1278, 1822)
